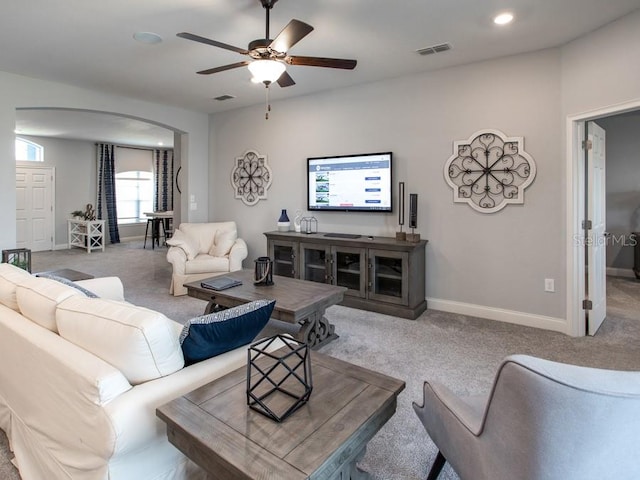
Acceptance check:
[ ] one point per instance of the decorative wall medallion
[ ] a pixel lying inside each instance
(489, 170)
(251, 177)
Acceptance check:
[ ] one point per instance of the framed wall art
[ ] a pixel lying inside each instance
(489, 171)
(251, 177)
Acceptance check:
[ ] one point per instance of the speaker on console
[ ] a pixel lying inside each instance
(401, 235)
(413, 210)
(413, 218)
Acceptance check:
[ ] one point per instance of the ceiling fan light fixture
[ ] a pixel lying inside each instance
(503, 18)
(266, 71)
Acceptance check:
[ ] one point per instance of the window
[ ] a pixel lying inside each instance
(27, 151)
(134, 196)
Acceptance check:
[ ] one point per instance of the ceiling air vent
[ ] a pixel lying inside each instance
(222, 98)
(443, 47)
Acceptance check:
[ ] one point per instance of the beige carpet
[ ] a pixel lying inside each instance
(460, 351)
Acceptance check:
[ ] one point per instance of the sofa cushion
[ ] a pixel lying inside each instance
(105, 287)
(190, 246)
(201, 233)
(38, 299)
(204, 263)
(223, 242)
(205, 233)
(139, 342)
(210, 335)
(10, 277)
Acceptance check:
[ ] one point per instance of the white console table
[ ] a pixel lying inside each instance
(87, 234)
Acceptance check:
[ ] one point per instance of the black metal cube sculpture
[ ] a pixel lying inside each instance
(20, 257)
(279, 382)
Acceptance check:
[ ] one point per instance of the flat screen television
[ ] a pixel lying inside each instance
(350, 183)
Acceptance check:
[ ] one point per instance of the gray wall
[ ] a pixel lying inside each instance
(623, 186)
(601, 69)
(75, 164)
(75, 183)
(498, 260)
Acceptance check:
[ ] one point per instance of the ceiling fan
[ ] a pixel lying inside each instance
(269, 56)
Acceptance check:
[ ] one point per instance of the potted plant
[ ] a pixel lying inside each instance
(77, 215)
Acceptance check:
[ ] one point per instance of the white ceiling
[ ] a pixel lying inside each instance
(90, 44)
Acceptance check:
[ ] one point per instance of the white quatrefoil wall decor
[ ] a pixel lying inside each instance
(251, 177)
(489, 170)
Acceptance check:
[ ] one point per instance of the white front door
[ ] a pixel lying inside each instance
(34, 208)
(596, 245)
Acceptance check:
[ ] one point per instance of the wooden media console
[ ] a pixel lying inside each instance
(381, 274)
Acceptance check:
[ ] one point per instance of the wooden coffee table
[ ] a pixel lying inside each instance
(69, 274)
(297, 301)
(324, 439)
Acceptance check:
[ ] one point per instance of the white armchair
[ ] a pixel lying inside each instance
(542, 420)
(203, 250)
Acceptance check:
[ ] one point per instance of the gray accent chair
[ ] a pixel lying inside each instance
(542, 420)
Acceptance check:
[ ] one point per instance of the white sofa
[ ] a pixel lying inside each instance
(80, 380)
(202, 250)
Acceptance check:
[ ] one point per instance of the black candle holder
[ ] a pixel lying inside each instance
(278, 383)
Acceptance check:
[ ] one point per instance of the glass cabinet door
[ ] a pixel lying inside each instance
(284, 256)
(314, 265)
(388, 276)
(349, 270)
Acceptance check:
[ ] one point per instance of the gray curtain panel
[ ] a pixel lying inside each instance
(163, 177)
(106, 198)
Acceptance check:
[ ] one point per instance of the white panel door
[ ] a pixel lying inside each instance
(34, 208)
(596, 247)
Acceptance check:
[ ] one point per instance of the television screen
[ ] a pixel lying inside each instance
(350, 183)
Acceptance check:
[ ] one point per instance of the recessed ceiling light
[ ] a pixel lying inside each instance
(503, 18)
(160, 143)
(149, 38)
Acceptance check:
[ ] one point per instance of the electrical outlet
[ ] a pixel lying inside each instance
(549, 285)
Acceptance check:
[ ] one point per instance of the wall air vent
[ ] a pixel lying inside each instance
(222, 98)
(442, 47)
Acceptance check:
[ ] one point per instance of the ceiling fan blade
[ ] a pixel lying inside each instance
(290, 35)
(285, 80)
(322, 62)
(207, 41)
(223, 68)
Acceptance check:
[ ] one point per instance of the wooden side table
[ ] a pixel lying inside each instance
(87, 234)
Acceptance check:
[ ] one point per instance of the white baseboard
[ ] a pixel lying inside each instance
(64, 246)
(620, 272)
(129, 239)
(499, 314)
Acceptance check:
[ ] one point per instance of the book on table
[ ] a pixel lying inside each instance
(220, 283)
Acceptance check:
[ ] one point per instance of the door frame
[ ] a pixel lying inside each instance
(575, 208)
(52, 171)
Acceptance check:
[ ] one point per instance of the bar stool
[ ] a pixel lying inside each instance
(160, 222)
(156, 223)
(146, 233)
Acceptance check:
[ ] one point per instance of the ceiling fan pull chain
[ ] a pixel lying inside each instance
(268, 105)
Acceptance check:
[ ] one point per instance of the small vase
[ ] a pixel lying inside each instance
(283, 216)
(283, 221)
